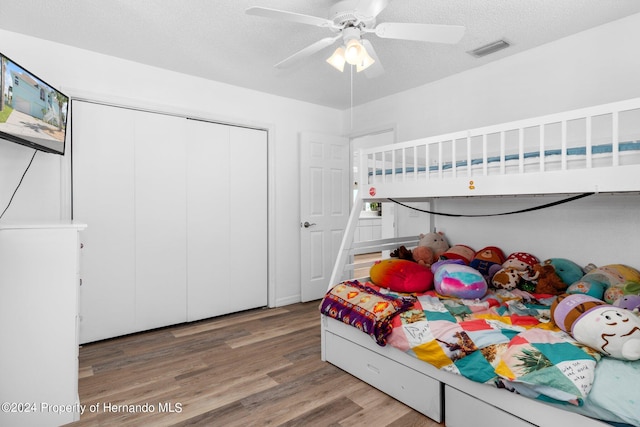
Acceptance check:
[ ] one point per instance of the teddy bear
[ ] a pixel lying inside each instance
(611, 330)
(546, 280)
(437, 242)
(552, 276)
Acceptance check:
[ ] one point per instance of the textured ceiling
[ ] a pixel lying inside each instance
(216, 40)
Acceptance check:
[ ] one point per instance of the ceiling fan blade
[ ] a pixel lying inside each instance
(289, 16)
(371, 8)
(376, 68)
(420, 32)
(307, 52)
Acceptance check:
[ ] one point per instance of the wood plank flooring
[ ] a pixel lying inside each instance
(255, 368)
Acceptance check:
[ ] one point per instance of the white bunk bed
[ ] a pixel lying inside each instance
(591, 150)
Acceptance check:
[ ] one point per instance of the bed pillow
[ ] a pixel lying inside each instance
(400, 275)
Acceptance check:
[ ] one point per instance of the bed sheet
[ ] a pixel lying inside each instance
(530, 158)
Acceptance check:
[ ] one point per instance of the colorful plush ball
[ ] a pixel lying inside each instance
(401, 275)
(460, 281)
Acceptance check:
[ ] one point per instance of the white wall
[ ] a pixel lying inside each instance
(593, 67)
(83, 74)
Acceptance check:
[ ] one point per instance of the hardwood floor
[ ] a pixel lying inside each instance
(260, 367)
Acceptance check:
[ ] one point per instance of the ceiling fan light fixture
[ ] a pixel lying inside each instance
(353, 52)
(337, 60)
(365, 62)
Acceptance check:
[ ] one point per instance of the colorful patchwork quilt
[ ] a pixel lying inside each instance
(505, 338)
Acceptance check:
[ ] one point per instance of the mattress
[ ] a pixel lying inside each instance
(600, 153)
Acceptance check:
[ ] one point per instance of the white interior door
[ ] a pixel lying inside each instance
(324, 208)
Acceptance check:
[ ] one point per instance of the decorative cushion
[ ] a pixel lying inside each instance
(461, 281)
(401, 275)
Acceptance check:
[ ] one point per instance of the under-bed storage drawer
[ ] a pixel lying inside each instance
(462, 409)
(411, 387)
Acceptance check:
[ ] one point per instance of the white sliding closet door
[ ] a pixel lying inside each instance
(227, 217)
(248, 222)
(173, 207)
(104, 196)
(161, 220)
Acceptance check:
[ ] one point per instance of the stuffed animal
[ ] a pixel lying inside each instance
(611, 330)
(520, 261)
(401, 275)
(436, 241)
(546, 280)
(567, 270)
(461, 252)
(518, 264)
(423, 255)
(488, 261)
(506, 278)
(402, 253)
(455, 279)
(598, 280)
(629, 302)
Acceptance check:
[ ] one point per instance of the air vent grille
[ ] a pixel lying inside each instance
(489, 48)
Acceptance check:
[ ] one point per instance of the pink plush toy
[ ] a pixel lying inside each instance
(437, 242)
(611, 330)
(423, 255)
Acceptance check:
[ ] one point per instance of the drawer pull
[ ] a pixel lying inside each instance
(373, 368)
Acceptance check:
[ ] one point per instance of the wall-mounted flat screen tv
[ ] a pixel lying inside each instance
(32, 113)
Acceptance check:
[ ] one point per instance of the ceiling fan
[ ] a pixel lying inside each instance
(350, 20)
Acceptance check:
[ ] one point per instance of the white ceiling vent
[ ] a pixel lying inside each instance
(489, 48)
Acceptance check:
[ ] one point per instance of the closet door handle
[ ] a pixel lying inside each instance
(307, 224)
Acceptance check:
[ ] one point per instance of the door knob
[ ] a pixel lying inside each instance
(307, 224)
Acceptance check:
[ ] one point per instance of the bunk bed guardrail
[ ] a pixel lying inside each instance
(470, 162)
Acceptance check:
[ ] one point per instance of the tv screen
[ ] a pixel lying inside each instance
(32, 113)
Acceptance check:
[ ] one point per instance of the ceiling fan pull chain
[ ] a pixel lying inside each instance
(351, 113)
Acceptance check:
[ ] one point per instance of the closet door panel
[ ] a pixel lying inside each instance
(208, 217)
(248, 222)
(103, 197)
(161, 229)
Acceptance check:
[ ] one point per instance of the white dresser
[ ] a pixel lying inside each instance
(39, 280)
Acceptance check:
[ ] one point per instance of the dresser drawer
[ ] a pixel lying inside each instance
(462, 409)
(409, 386)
